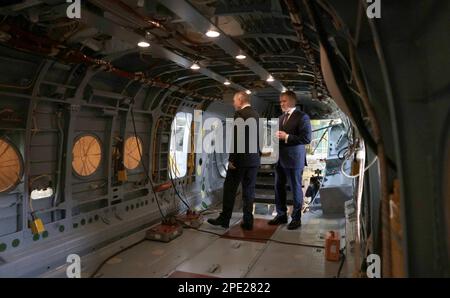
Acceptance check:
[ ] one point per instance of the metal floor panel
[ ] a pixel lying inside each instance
(288, 261)
(313, 230)
(225, 258)
(156, 259)
(199, 254)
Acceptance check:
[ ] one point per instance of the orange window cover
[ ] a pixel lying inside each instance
(86, 155)
(132, 153)
(10, 166)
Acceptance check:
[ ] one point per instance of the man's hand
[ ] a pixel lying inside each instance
(231, 166)
(281, 135)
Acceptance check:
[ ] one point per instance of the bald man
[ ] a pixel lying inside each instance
(242, 166)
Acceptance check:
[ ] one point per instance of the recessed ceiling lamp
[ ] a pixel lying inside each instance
(270, 79)
(195, 66)
(248, 92)
(241, 57)
(227, 83)
(213, 33)
(143, 44)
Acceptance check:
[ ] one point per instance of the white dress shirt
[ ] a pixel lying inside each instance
(246, 105)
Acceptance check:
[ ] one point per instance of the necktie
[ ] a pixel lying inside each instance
(286, 118)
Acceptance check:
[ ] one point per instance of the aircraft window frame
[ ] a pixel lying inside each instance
(180, 158)
(20, 164)
(76, 140)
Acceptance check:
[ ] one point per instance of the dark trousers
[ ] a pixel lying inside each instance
(294, 178)
(246, 176)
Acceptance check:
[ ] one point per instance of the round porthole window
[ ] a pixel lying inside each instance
(86, 155)
(132, 153)
(11, 166)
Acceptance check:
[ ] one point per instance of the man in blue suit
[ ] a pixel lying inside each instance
(294, 134)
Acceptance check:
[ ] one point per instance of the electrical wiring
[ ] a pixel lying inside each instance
(177, 172)
(343, 150)
(351, 101)
(341, 265)
(346, 153)
(358, 202)
(99, 267)
(356, 176)
(58, 186)
(143, 163)
(321, 139)
(260, 239)
(176, 191)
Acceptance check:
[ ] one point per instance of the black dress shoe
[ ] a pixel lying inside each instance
(279, 220)
(295, 224)
(247, 226)
(219, 222)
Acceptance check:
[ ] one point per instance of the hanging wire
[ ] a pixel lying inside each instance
(143, 164)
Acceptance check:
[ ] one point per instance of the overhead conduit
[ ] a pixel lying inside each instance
(30, 42)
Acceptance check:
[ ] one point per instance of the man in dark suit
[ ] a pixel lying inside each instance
(294, 134)
(242, 166)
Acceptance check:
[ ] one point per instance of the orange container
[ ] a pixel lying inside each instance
(332, 246)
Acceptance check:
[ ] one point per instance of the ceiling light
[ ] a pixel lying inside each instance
(248, 92)
(212, 33)
(227, 83)
(241, 57)
(195, 66)
(143, 44)
(270, 79)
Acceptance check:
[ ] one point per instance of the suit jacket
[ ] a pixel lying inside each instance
(246, 159)
(293, 153)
